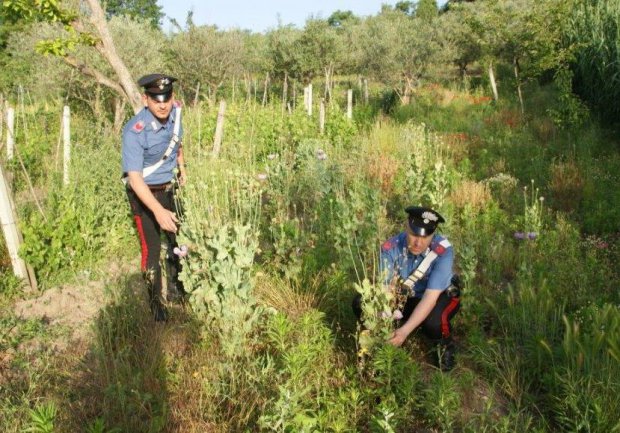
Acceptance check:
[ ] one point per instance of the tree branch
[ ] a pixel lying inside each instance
(98, 76)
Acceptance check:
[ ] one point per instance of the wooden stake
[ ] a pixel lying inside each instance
(310, 99)
(322, 116)
(66, 138)
(493, 83)
(350, 104)
(306, 98)
(196, 94)
(12, 236)
(10, 129)
(265, 90)
(284, 92)
(219, 129)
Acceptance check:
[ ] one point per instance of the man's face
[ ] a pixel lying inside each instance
(417, 244)
(161, 110)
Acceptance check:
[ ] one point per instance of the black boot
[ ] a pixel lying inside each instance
(444, 354)
(175, 290)
(154, 290)
(159, 311)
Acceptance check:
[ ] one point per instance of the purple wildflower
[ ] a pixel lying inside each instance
(602, 245)
(532, 235)
(180, 251)
(519, 235)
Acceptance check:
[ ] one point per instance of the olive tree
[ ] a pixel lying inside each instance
(52, 76)
(85, 24)
(205, 56)
(399, 50)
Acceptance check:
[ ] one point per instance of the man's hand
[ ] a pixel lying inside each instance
(166, 219)
(398, 337)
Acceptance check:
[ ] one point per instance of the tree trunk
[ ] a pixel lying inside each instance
(407, 91)
(329, 72)
(119, 113)
(516, 68)
(108, 50)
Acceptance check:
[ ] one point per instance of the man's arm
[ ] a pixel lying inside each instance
(419, 314)
(166, 219)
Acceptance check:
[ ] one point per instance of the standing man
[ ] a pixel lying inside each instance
(418, 264)
(151, 157)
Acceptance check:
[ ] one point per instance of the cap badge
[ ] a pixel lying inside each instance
(163, 82)
(429, 216)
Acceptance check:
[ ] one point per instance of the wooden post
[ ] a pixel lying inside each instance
(306, 98)
(66, 139)
(310, 99)
(350, 104)
(366, 91)
(284, 93)
(322, 116)
(234, 87)
(2, 116)
(10, 129)
(196, 94)
(265, 90)
(493, 83)
(219, 129)
(12, 236)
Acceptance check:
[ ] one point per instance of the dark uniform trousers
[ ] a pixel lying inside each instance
(437, 325)
(150, 242)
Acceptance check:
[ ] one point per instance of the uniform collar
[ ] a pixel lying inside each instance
(154, 123)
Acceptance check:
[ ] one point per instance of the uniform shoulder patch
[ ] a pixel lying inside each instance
(138, 127)
(387, 245)
(440, 247)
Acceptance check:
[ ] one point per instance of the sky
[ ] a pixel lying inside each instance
(262, 15)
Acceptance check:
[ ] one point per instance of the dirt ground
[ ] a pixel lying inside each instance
(71, 306)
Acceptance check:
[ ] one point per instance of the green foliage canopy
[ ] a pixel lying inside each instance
(147, 10)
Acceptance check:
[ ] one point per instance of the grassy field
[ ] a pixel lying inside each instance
(282, 228)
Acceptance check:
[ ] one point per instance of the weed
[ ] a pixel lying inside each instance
(42, 418)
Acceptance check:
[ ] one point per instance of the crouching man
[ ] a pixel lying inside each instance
(418, 264)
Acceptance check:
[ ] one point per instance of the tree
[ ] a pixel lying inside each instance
(205, 56)
(406, 7)
(147, 10)
(426, 10)
(341, 18)
(400, 51)
(283, 52)
(90, 29)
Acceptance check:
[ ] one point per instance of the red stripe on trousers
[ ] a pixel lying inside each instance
(445, 324)
(145, 248)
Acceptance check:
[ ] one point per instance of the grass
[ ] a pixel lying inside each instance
(271, 342)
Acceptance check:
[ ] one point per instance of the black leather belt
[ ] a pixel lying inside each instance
(163, 187)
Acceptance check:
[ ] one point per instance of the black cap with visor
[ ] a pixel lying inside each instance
(157, 86)
(423, 221)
